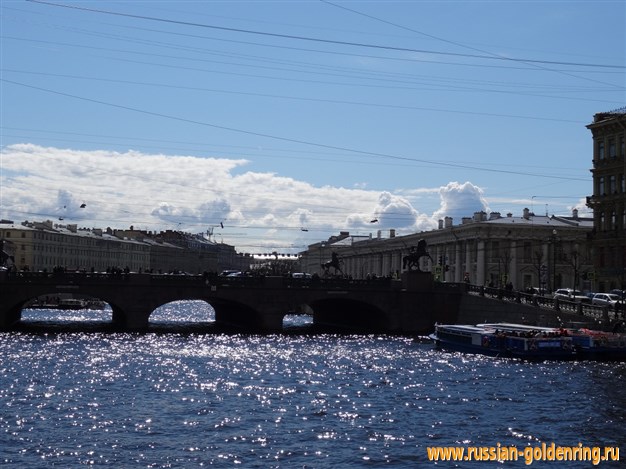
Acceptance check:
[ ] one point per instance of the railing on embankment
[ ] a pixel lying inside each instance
(500, 305)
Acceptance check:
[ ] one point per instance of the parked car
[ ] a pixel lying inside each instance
(230, 273)
(569, 294)
(620, 293)
(301, 275)
(606, 299)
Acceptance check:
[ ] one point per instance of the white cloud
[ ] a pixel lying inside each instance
(155, 192)
(460, 200)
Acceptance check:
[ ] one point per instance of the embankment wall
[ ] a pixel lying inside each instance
(476, 309)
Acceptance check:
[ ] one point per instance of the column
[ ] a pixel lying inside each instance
(480, 263)
(513, 266)
(458, 275)
(468, 261)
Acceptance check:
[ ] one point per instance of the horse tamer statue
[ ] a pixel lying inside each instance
(334, 262)
(412, 260)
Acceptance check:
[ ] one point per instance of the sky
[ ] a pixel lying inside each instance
(272, 125)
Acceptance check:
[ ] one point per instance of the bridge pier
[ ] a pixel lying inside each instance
(242, 318)
(135, 319)
(10, 317)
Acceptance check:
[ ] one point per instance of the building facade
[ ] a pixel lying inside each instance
(609, 199)
(526, 251)
(46, 246)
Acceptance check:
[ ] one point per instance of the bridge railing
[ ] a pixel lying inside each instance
(599, 313)
(202, 279)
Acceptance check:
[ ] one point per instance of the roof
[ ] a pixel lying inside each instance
(543, 221)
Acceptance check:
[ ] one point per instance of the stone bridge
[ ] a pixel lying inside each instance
(255, 304)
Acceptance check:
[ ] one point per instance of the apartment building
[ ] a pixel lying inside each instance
(609, 199)
(46, 246)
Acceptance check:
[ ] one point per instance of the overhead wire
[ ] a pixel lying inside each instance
(319, 100)
(287, 139)
(263, 135)
(436, 82)
(247, 150)
(320, 40)
(533, 63)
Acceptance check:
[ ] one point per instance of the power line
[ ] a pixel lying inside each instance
(291, 140)
(298, 98)
(333, 157)
(328, 41)
(490, 54)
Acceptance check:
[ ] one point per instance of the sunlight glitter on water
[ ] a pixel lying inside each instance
(179, 400)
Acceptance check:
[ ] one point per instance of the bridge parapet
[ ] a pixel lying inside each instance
(253, 303)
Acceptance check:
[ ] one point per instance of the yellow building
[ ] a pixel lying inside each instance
(44, 246)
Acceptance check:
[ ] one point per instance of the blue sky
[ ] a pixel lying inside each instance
(289, 121)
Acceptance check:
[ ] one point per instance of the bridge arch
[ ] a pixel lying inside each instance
(193, 311)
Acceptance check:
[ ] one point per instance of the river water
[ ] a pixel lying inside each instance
(178, 400)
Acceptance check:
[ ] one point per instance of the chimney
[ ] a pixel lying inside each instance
(575, 214)
(447, 222)
(441, 224)
(526, 214)
(466, 220)
(494, 215)
(480, 216)
(392, 233)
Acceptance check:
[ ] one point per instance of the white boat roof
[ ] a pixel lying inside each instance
(516, 327)
(462, 327)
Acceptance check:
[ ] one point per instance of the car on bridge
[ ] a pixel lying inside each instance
(569, 294)
(620, 293)
(606, 299)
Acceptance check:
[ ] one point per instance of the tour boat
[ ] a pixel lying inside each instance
(506, 340)
(62, 303)
(599, 345)
(532, 342)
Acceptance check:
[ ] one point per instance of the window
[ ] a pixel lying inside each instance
(612, 148)
(528, 252)
(601, 190)
(612, 185)
(601, 150)
(621, 145)
(600, 257)
(495, 249)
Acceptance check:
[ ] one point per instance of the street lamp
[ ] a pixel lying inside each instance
(553, 260)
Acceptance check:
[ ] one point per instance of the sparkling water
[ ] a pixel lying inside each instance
(155, 400)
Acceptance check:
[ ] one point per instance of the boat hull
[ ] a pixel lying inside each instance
(504, 343)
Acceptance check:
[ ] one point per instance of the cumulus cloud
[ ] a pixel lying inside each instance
(460, 200)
